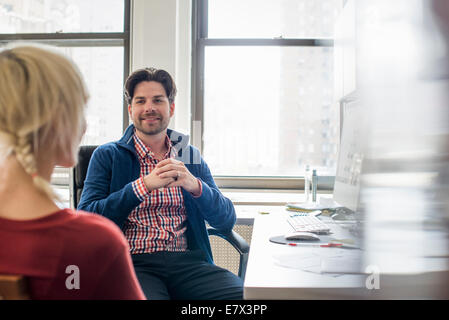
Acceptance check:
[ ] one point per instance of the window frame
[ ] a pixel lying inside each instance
(200, 41)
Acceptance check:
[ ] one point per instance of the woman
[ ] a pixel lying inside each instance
(63, 254)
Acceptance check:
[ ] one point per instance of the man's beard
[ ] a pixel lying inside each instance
(156, 129)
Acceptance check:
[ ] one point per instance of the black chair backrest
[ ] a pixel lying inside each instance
(80, 171)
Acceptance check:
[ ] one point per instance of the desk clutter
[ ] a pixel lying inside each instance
(285, 267)
(308, 230)
(304, 219)
(327, 210)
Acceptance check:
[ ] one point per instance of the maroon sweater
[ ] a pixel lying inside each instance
(69, 255)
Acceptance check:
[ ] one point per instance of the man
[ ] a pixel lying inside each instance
(160, 202)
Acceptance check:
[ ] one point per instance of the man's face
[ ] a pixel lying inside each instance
(150, 109)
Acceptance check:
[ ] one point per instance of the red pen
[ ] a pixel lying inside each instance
(327, 245)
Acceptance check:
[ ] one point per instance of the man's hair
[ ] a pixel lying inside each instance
(42, 102)
(150, 74)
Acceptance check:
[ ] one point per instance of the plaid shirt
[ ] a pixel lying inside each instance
(159, 222)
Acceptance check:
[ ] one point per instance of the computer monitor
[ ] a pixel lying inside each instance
(350, 158)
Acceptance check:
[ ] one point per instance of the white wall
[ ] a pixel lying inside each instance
(161, 38)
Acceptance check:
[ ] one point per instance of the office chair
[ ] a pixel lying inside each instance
(13, 287)
(79, 175)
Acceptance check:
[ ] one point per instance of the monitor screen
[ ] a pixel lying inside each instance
(347, 178)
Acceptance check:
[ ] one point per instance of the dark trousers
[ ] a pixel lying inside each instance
(185, 276)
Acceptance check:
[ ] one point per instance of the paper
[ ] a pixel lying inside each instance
(348, 263)
(306, 262)
(332, 262)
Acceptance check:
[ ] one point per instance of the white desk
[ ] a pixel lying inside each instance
(249, 204)
(266, 279)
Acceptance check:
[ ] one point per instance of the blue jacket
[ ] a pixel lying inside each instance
(115, 165)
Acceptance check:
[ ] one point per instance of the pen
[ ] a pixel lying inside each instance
(330, 245)
(327, 245)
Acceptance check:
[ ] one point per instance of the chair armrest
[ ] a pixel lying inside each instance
(238, 243)
(233, 238)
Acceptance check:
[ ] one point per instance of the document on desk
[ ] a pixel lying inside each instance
(330, 261)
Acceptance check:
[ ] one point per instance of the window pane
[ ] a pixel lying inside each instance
(271, 112)
(272, 18)
(102, 68)
(49, 16)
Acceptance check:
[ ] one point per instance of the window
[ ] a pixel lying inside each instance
(263, 87)
(97, 42)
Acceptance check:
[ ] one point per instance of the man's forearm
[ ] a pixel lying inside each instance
(116, 206)
(217, 210)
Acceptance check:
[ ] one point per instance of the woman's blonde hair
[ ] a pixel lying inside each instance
(42, 101)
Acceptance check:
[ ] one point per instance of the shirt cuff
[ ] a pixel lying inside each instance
(140, 189)
(201, 190)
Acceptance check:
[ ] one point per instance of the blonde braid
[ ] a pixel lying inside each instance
(26, 157)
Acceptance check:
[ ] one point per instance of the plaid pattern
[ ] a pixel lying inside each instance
(159, 222)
